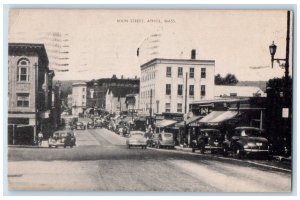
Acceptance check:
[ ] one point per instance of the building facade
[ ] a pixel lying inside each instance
(78, 98)
(169, 85)
(29, 93)
(98, 89)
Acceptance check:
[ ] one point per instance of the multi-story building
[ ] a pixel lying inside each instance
(29, 92)
(78, 98)
(97, 90)
(169, 85)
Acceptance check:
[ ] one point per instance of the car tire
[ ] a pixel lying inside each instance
(145, 147)
(202, 149)
(225, 151)
(65, 146)
(238, 153)
(193, 150)
(50, 146)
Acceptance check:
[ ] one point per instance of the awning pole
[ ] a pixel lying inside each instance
(261, 120)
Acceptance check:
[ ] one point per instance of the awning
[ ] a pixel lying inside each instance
(165, 123)
(218, 117)
(188, 121)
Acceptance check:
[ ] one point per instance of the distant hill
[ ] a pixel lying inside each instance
(260, 84)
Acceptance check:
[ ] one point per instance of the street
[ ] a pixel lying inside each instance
(102, 162)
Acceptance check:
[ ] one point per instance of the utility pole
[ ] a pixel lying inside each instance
(150, 110)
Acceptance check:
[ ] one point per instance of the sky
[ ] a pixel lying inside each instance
(92, 44)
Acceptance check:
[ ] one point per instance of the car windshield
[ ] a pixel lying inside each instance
(250, 133)
(167, 135)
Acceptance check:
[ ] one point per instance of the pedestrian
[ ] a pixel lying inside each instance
(40, 138)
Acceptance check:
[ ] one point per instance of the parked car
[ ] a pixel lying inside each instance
(165, 139)
(90, 125)
(80, 125)
(247, 141)
(208, 139)
(137, 138)
(62, 138)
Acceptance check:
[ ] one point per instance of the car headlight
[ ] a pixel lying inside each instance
(251, 144)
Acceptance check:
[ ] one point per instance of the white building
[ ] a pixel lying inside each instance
(164, 84)
(115, 102)
(238, 91)
(78, 98)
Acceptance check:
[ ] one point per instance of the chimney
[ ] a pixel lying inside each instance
(193, 54)
(135, 77)
(122, 76)
(114, 77)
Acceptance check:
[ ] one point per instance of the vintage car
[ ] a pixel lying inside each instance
(247, 141)
(137, 138)
(62, 138)
(165, 139)
(208, 139)
(90, 125)
(98, 123)
(80, 125)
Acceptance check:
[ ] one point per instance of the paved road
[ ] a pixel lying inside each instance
(101, 162)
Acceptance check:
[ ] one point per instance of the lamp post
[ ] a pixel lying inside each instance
(273, 49)
(286, 93)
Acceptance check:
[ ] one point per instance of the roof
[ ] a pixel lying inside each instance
(178, 61)
(240, 91)
(29, 48)
(122, 91)
(79, 84)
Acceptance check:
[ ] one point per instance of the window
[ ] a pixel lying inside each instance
(168, 107)
(23, 70)
(23, 100)
(83, 96)
(169, 71)
(180, 72)
(179, 91)
(192, 70)
(191, 91)
(179, 107)
(168, 89)
(202, 90)
(83, 89)
(203, 72)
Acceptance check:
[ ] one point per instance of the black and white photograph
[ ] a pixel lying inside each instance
(150, 100)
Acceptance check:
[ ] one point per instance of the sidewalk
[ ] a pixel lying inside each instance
(44, 145)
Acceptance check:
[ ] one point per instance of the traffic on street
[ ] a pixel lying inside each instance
(102, 161)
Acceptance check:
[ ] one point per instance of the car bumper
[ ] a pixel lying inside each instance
(256, 151)
(167, 144)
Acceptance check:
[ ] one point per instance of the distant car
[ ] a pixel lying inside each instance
(62, 138)
(137, 138)
(208, 139)
(90, 125)
(98, 123)
(247, 141)
(165, 139)
(80, 125)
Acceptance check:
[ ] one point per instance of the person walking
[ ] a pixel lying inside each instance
(40, 138)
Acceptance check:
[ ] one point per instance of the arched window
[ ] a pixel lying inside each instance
(23, 70)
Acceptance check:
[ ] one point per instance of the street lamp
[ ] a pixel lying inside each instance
(273, 49)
